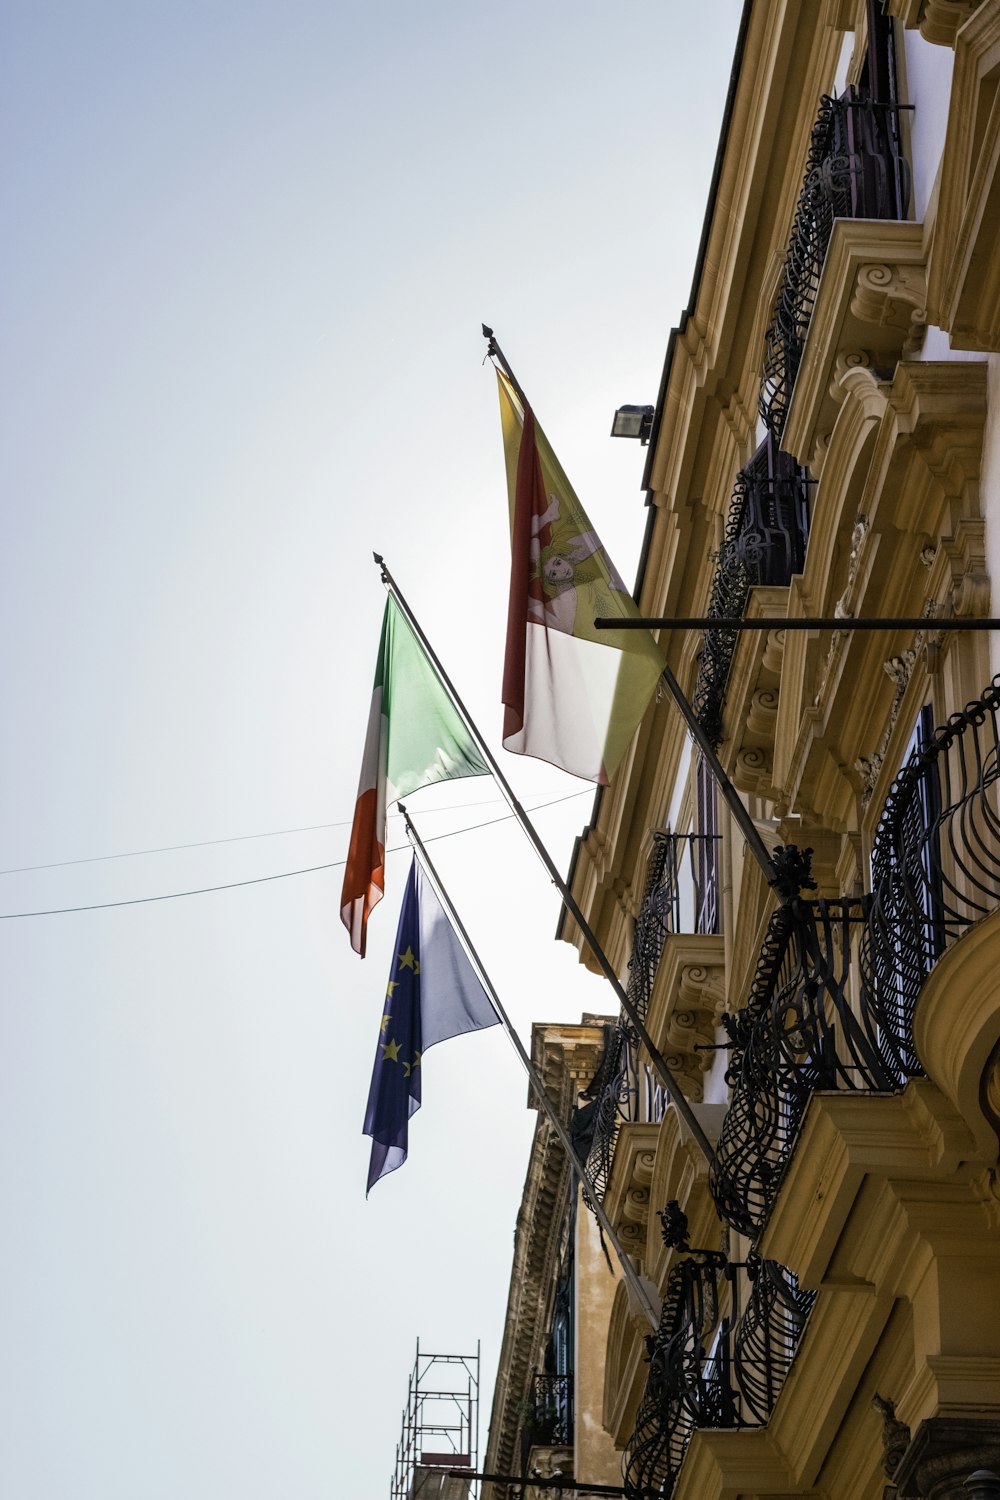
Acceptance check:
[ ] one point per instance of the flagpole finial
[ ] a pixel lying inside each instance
(378, 558)
(491, 348)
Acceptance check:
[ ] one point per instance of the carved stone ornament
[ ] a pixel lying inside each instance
(900, 670)
(895, 1435)
(939, 21)
(893, 296)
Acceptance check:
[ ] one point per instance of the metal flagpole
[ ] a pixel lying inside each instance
(656, 1057)
(545, 1102)
(731, 797)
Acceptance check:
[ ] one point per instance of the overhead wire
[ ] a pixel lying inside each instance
(235, 885)
(240, 838)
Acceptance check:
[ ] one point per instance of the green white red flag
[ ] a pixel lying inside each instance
(416, 736)
(572, 695)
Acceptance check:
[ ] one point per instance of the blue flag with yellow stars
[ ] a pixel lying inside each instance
(433, 993)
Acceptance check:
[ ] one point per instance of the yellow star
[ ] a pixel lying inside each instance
(392, 985)
(408, 1067)
(390, 1051)
(384, 1022)
(408, 960)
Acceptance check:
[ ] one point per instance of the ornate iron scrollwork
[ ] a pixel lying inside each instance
(855, 170)
(765, 543)
(707, 1366)
(837, 982)
(659, 915)
(681, 1392)
(935, 865)
(801, 1030)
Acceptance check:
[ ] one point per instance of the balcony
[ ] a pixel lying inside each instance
(711, 1363)
(855, 170)
(765, 545)
(548, 1424)
(833, 1001)
(680, 897)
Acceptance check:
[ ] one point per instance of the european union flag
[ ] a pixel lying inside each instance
(433, 993)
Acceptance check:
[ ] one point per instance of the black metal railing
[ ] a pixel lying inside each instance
(834, 996)
(935, 863)
(803, 1029)
(710, 1366)
(548, 1420)
(614, 1090)
(856, 170)
(765, 543)
(680, 893)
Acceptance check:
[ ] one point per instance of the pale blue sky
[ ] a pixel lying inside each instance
(248, 248)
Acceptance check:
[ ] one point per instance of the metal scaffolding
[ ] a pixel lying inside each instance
(440, 1427)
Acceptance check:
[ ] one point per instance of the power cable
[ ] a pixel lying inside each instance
(239, 838)
(235, 885)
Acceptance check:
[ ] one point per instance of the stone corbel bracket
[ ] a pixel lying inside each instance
(626, 1201)
(688, 998)
(938, 21)
(893, 297)
(872, 297)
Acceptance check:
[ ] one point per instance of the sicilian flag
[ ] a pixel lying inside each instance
(416, 736)
(572, 695)
(433, 994)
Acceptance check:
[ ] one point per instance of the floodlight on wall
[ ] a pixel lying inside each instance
(633, 422)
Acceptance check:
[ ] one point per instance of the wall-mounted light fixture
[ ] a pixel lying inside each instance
(633, 422)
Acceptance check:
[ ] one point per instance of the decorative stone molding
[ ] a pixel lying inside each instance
(938, 21)
(959, 1058)
(944, 1453)
(625, 1368)
(893, 297)
(626, 1201)
(899, 670)
(688, 998)
(681, 1175)
(567, 1058)
(969, 588)
(907, 456)
(870, 311)
(963, 274)
(751, 706)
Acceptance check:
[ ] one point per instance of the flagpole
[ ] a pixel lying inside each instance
(655, 1055)
(537, 1083)
(493, 351)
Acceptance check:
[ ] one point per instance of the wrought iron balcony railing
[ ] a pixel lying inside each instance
(855, 170)
(798, 1033)
(712, 1371)
(833, 1000)
(614, 1091)
(935, 863)
(548, 1421)
(680, 896)
(765, 543)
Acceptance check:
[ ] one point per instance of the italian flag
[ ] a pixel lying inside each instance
(572, 695)
(415, 737)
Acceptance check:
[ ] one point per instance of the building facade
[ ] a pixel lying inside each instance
(821, 977)
(547, 1404)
